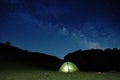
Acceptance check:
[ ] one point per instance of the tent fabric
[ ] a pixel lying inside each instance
(68, 67)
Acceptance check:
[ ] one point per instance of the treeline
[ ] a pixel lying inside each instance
(15, 55)
(86, 60)
(96, 59)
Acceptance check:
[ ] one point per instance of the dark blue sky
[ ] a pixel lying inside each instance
(57, 27)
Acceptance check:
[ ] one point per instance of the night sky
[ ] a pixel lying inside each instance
(57, 27)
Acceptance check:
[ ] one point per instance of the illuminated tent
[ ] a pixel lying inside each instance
(68, 67)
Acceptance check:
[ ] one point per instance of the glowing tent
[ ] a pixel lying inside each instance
(68, 67)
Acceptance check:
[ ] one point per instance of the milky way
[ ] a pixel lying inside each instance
(57, 27)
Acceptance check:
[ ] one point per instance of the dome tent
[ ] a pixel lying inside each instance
(68, 67)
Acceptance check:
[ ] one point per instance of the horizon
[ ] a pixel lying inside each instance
(60, 27)
(9, 43)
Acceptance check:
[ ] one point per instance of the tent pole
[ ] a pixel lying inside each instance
(68, 67)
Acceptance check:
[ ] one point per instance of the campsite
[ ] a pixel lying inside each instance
(37, 74)
(59, 39)
(23, 65)
(23, 72)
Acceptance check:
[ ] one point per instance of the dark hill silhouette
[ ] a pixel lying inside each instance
(15, 55)
(96, 59)
(86, 60)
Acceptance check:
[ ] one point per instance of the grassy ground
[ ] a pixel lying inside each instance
(12, 73)
(52, 75)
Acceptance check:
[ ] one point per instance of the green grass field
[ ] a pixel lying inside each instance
(22, 74)
(27, 73)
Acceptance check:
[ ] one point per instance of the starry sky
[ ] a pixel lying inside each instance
(58, 27)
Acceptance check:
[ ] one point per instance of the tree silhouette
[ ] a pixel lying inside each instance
(96, 59)
(8, 43)
(11, 54)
